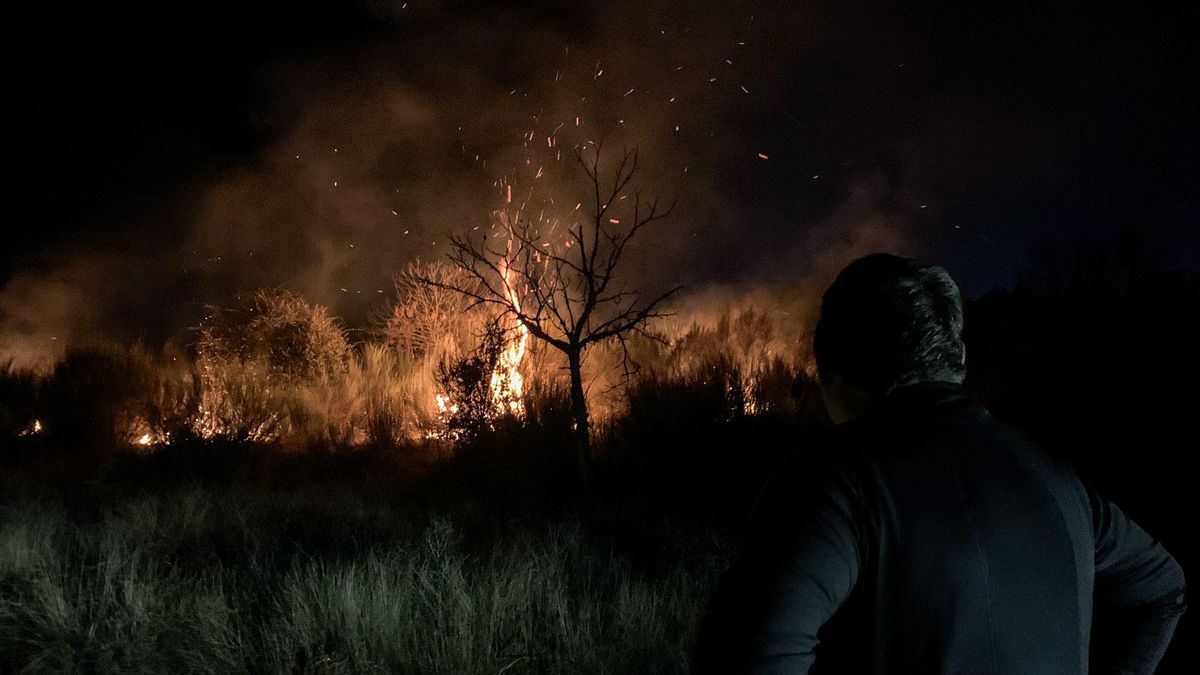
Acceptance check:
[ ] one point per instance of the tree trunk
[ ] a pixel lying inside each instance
(579, 412)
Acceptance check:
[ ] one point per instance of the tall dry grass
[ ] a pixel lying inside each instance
(198, 582)
(276, 369)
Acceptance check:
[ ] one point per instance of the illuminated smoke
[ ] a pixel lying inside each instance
(383, 147)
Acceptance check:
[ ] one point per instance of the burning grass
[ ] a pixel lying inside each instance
(278, 370)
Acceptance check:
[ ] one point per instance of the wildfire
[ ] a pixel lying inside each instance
(507, 385)
(33, 429)
(144, 436)
(445, 405)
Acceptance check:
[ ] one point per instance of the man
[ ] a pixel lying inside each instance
(928, 537)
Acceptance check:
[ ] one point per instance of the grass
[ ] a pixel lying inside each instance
(204, 580)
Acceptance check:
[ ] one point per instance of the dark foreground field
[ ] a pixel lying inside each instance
(239, 577)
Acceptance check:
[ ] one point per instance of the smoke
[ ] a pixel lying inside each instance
(381, 148)
(45, 310)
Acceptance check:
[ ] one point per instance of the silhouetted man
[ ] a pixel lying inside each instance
(929, 538)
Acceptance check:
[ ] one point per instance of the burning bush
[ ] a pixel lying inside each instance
(255, 362)
(469, 402)
(460, 348)
(18, 389)
(281, 330)
(428, 320)
(105, 395)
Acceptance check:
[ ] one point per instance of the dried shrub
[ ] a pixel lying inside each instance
(101, 396)
(269, 368)
(469, 406)
(428, 320)
(18, 393)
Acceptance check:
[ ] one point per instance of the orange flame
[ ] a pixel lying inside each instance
(507, 385)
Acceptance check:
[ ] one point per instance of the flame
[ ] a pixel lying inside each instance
(445, 405)
(143, 435)
(33, 429)
(507, 385)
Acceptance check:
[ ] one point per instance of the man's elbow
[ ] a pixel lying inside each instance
(1175, 599)
(1156, 584)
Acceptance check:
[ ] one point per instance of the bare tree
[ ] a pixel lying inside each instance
(561, 277)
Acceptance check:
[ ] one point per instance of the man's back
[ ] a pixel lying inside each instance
(949, 544)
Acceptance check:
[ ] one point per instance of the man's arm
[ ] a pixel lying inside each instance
(1139, 587)
(800, 562)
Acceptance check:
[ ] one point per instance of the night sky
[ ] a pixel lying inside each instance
(164, 156)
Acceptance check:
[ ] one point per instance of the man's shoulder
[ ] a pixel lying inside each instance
(832, 461)
(863, 450)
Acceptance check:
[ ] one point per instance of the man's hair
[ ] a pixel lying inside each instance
(888, 321)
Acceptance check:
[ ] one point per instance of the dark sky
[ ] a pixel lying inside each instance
(147, 139)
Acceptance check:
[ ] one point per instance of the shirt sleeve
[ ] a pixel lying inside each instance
(800, 562)
(1139, 591)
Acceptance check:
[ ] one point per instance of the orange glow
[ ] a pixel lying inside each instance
(507, 385)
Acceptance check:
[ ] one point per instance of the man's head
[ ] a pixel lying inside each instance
(887, 322)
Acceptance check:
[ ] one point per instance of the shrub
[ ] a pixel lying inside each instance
(18, 392)
(255, 362)
(102, 396)
(428, 321)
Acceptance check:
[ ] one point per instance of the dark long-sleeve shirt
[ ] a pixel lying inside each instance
(932, 539)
